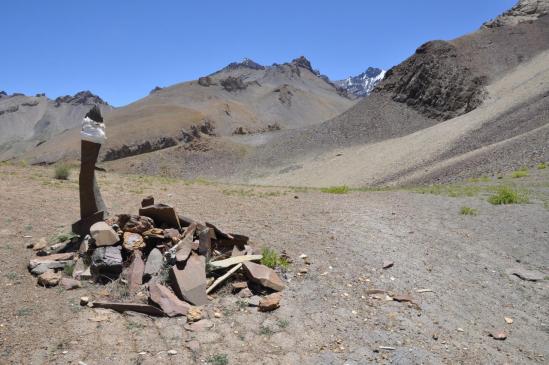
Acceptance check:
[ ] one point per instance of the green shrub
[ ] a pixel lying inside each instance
(62, 172)
(343, 189)
(272, 259)
(520, 173)
(468, 211)
(219, 359)
(506, 195)
(541, 166)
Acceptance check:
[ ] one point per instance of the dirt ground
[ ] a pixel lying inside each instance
(326, 316)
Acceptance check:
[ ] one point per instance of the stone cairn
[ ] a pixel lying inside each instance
(157, 262)
(166, 263)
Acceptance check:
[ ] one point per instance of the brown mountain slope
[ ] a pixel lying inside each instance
(241, 98)
(449, 99)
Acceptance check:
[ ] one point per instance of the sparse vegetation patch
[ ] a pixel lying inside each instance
(62, 172)
(468, 211)
(272, 259)
(343, 189)
(507, 195)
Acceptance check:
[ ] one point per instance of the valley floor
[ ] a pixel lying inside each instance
(326, 316)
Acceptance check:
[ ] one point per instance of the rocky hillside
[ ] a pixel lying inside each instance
(362, 84)
(454, 109)
(28, 121)
(241, 99)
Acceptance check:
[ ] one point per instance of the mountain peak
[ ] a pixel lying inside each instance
(302, 61)
(245, 63)
(523, 11)
(85, 97)
(363, 83)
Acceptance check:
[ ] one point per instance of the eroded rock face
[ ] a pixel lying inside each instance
(435, 82)
(524, 11)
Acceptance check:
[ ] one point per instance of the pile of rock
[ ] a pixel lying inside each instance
(168, 264)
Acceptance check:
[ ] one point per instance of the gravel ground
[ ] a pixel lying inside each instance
(326, 316)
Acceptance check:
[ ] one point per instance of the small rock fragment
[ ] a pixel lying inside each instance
(172, 352)
(387, 264)
(199, 326)
(194, 314)
(245, 293)
(49, 278)
(498, 335)
(528, 275)
(69, 284)
(84, 301)
(508, 320)
(149, 200)
(103, 234)
(270, 302)
(133, 241)
(238, 285)
(254, 301)
(303, 270)
(40, 245)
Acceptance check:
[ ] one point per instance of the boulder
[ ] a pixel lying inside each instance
(49, 278)
(263, 275)
(103, 234)
(190, 283)
(167, 301)
(106, 263)
(154, 264)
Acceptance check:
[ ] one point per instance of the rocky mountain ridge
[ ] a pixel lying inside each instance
(362, 84)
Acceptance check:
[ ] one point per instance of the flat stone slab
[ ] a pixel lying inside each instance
(161, 213)
(190, 283)
(135, 271)
(106, 263)
(134, 307)
(263, 275)
(35, 261)
(168, 301)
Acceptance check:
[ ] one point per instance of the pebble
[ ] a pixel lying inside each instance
(172, 352)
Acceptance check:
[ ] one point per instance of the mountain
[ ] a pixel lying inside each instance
(475, 105)
(28, 121)
(243, 98)
(362, 84)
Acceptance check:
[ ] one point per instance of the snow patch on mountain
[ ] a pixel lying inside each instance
(362, 84)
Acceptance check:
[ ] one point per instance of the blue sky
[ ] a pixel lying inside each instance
(121, 49)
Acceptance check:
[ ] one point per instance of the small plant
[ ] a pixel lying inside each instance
(219, 359)
(467, 211)
(69, 269)
(62, 172)
(272, 259)
(523, 172)
(134, 326)
(283, 323)
(343, 189)
(11, 275)
(24, 312)
(541, 166)
(62, 237)
(506, 195)
(266, 331)
(241, 304)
